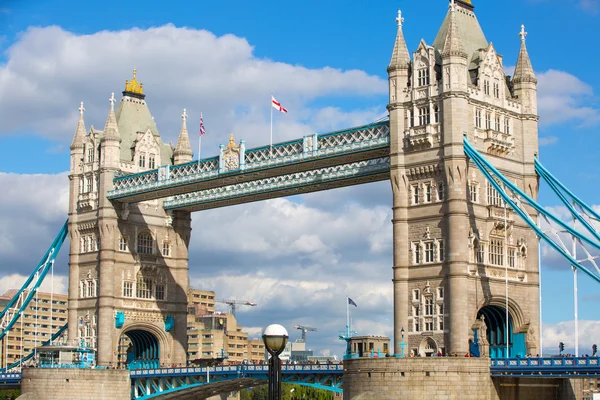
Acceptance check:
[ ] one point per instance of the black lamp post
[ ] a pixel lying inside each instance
(275, 338)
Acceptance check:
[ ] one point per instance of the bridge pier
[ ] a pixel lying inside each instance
(75, 384)
(447, 378)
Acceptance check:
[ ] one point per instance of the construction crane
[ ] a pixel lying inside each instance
(233, 303)
(305, 329)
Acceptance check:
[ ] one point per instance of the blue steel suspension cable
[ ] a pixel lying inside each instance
(53, 252)
(482, 165)
(473, 154)
(42, 264)
(30, 355)
(556, 186)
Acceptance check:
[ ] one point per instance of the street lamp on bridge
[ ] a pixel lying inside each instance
(275, 338)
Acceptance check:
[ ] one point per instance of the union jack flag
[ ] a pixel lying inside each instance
(202, 129)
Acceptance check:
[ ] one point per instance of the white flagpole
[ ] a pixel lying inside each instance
(347, 317)
(506, 281)
(271, 136)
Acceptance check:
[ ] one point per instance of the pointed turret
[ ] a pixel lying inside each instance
(80, 131)
(400, 56)
(523, 70)
(110, 128)
(183, 150)
(110, 144)
(453, 45)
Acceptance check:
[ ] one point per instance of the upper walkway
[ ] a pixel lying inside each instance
(323, 158)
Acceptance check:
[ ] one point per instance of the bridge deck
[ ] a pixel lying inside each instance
(310, 153)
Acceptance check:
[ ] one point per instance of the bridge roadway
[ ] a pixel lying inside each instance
(236, 175)
(191, 383)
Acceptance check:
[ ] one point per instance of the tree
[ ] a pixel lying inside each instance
(299, 393)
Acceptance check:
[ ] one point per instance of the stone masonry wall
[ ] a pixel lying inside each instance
(75, 384)
(418, 378)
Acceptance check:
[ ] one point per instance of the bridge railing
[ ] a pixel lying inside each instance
(365, 137)
(546, 365)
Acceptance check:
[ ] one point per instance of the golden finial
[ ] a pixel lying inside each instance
(134, 86)
(231, 144)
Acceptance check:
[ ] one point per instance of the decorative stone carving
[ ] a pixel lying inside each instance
(231, 156)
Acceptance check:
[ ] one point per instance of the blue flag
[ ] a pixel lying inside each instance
(351, 302)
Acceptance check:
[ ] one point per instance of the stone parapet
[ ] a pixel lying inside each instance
(75, 384)
(445, 378)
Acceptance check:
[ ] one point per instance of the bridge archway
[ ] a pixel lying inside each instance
(495, 335)
(139, 348)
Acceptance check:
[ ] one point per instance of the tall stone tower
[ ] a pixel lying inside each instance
(454, 248)
(128, 265)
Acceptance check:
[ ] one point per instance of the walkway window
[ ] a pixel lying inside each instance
(423, 77)
(123, 243)
(144, 288)
(127, 289)
(424, 115)
(493, 197)
(496, 252)
(166, 248)
(415, 194)
(160, 292)
(429, 306)
(512, 255)
(473, 192)
(440, 293)
(416, 294)
(429, 252)
(145, 243)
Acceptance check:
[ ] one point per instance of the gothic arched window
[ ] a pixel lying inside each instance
(145, 243)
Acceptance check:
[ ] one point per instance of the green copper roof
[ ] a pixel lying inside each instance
(133, 116)
(469, 31)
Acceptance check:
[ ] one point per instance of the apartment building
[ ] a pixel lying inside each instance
(45, 315)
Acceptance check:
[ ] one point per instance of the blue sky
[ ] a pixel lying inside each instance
(42, 80)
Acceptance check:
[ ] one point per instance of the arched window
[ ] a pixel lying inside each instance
(151, 161)
(145, 243)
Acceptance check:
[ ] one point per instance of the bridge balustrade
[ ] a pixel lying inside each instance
(554, 366)
(171, 178)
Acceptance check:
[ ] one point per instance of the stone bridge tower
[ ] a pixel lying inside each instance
(128, 265)
(452, 246)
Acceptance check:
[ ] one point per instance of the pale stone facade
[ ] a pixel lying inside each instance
(128, 263)
(449, 236)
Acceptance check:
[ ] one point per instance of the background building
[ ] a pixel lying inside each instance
(215, 337)
(46, 314)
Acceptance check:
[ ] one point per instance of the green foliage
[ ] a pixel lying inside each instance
(9, 394)
(299, 393)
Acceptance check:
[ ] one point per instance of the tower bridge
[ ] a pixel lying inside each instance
(465, 271)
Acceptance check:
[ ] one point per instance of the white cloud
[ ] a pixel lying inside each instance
(589, 333)
(547, 140)
(590, 5)
(49, 70)
(14, 281)
(563, 97)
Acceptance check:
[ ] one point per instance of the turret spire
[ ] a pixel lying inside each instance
(523, 70)
(183, 150)
(400, 56)
(453, 45)
(110, 128)
(80, 131)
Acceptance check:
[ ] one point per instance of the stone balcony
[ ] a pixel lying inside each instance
(498, 143)
(422, 137)
(87, 200)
